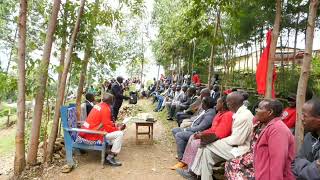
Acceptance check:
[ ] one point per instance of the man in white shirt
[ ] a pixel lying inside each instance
(179, 94)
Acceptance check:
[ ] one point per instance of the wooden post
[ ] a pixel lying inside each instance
(273, 46)
(8, 119)
(305, 69)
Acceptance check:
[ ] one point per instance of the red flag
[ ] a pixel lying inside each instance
(262, 69)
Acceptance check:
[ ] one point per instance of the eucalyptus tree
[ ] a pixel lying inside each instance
(91, 18)
(62, 83)
(19, 160)
(42, 83)
(305, 70)
(273, 46)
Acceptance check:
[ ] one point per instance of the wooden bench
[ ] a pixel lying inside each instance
(73, 141)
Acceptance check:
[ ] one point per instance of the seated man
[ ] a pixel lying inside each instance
(161, 97)
(87, 106)
(194, 107)
(202, 122)
(100, 118)
(307, 162)
(172, 105)
(190, 98)
(227, 148)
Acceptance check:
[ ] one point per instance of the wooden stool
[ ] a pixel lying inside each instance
(149, 133)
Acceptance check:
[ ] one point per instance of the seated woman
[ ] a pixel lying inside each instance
(220, 128)
(100, 118)
(275, 148)
(270, 134)
(202, 122)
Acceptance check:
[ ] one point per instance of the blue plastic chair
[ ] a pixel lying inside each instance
(71, 138)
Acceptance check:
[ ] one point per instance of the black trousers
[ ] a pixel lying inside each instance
(115, 110)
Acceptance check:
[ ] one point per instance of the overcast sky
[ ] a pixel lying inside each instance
(151, 69)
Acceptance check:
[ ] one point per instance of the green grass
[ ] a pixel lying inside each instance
(7, 142)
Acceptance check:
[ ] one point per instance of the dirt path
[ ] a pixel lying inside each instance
(6, 158)
(147, 162)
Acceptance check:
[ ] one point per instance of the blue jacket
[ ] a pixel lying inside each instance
(204, 122)
(304, 166)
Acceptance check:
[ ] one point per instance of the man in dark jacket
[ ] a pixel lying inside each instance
(194, 108)
(190, 98)
(202, 122)
(307, 163)
(117, 91)
(215, 93)
(90, 100)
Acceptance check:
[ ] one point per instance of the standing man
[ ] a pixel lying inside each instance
(216, 93)
(195, 78)
(117, 91)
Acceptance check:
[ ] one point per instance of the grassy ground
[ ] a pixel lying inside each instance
(7, 141)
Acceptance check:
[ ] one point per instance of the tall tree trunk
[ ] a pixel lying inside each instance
(45, 130)
(247, 56)
(87, 55)
(11, 51)
(211, 65)
(42, 84)
(82, 80)
(281, 85)
(273, 46)
(256, 50)
(19, 159)
(68, 83)
(295, 42)
(61, 90)
(63, 44)
(142, 60)
(210, 74)
(260, 43)
(193, 56)
(304, 75)
(252, 58)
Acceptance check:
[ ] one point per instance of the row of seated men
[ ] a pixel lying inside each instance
(254, 147)
(182, 101)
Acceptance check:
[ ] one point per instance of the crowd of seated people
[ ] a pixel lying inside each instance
(214, 127)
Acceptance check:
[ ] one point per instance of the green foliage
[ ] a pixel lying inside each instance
(8, 87)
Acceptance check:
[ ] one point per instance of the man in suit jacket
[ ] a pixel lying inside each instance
(190, 97)
(194, 108)
(227, 148)
(117, 91)
(215, 93)
(202, 122)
